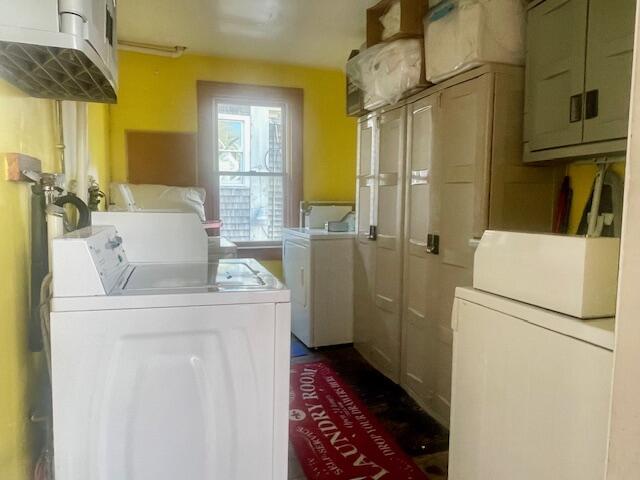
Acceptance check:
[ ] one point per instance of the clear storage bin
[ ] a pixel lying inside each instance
(387, 71)
(464, 34)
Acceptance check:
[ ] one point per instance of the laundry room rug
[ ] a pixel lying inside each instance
(334, 434)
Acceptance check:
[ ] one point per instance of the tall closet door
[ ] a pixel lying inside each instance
(421, 260)
(608, 76)
(465, 152)
(556, 36)
(364, 253)
(385, 353)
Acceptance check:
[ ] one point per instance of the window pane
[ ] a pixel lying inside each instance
(251, 209)
(230, 135)
(256, 131)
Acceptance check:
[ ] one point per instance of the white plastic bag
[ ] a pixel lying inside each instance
(464, 34)
(386, 71)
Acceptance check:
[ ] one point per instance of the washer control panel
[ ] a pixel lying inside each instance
(88, 262)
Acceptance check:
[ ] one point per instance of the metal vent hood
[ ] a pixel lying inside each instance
(63, 49)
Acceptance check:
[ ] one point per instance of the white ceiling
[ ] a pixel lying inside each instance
(310, 32)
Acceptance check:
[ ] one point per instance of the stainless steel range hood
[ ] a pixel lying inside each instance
(63, 50)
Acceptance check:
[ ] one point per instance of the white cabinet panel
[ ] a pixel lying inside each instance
(528, 403)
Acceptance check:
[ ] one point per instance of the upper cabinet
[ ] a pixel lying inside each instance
(578, 77)
(555, 71)
(608, 75)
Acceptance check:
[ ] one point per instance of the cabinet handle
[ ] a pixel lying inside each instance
(575, 108)
(433, 244)
(592, 104)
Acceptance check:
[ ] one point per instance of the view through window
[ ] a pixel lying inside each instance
(251, 171)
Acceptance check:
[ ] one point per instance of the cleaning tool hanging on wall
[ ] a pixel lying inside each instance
(602, 215)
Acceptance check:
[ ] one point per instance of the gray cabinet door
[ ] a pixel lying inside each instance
(421, 268)
(556, 39)
(608, 75)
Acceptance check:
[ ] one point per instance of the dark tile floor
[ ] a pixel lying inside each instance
(420, 436)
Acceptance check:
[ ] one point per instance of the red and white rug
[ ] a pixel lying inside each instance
(335, 436)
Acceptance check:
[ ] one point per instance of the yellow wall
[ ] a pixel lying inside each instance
(99, 146)
(26, 126)
(159, 93)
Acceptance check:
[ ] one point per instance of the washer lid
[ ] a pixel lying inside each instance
(161, 285)
(223, 275)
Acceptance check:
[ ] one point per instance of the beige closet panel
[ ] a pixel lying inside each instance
(556, 36)
(421, 268)
(467, 112)
(465, 151)
(608, 76)
(364, 254)
(366, 179)
(522, 198)
(385, 353)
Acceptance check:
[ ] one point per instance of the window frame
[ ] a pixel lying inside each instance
(291, 100)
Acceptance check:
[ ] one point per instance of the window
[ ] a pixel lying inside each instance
(250, 172)
(250, 144)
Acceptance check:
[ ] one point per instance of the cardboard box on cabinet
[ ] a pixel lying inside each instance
(390, 20)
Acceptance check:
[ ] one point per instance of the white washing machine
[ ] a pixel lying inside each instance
(166, 371)
(318, 268)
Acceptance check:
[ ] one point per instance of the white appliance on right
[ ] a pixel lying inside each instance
(531, 386)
